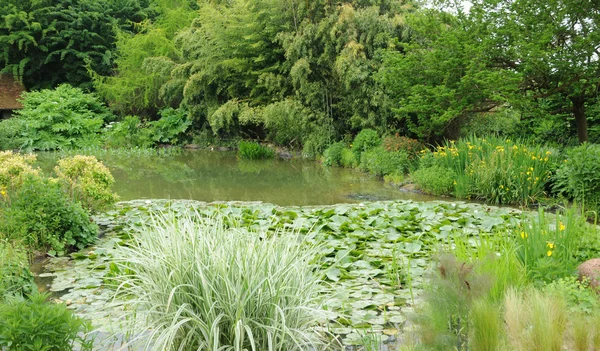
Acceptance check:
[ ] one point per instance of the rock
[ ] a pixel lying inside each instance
(192, 146)
(223, 148)
(285, 155)
(590, 269)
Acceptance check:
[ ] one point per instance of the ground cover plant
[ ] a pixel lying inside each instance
(248, 150)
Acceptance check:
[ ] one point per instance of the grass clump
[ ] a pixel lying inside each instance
(204, 285)
(254, 151)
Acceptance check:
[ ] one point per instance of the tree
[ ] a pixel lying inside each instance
(443, 76)
(554, 45)
(45, 43)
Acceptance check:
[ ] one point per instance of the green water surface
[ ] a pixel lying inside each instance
(219, 176)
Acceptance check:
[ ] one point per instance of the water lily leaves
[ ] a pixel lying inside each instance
(373, 257)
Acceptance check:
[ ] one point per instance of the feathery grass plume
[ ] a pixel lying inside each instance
(596, 326)
(535, 321)
(199, 284)
(487, 328)
(581, 332)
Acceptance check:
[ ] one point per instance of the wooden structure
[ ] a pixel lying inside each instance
(10, 92)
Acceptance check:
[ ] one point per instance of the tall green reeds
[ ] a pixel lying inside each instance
(199, 284)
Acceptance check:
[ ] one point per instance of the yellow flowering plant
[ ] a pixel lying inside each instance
(546, 244)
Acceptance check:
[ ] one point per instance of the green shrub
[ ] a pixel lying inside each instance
(44, 218)
(13, 168)
(88, 181)
(130, 132)
(35, 324)
(315, 144)
(15, 276)
(10, 134)
(205, 285)
(578, 178)
(333, 155)
(380, 162)
(365, 141)
(578, 294)
(348, 159)
(436, 180)
(254, 151)
(171, 126)
(62, 118)
(401, 143)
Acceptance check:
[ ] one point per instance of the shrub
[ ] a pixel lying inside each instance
(254, 151)
(204, 285)
(578, 178)
(333, 155)
(365, 141)
(348, 159)
(412, 147)
(43, 217)
(10, 134)
(127, 133)
(15, 276)
(65, 117)
(316, 142)
(436, 180)
(88, 181)
(380, 162)
(13, 168)
(35, 324)
(171, 126)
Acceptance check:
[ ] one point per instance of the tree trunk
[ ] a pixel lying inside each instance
(580, 118)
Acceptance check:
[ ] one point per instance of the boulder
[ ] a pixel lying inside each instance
(590, 269)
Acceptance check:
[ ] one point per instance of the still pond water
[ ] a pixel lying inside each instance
(220, 176)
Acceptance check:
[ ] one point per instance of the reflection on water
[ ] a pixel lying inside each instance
(220, 176)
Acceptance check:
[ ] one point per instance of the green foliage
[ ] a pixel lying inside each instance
(65, 117)
(579, 295)
(487, 326)
(364, 141)
(380, 162)
(497, 170)
(401, 143)
(13, 168)
(37, 325)
(348, 159)
(171, 126)
(10, 129)
(443, 321)
(88, 181)
(578, 178)
(43, 217)
(436, 180)
(254, 151)
(211, 285)
(15, 277)
(130, 132)
(317, 142)
(333, 155)
(546, 247)
(46, 43)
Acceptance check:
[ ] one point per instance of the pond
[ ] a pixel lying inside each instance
(209, 176)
